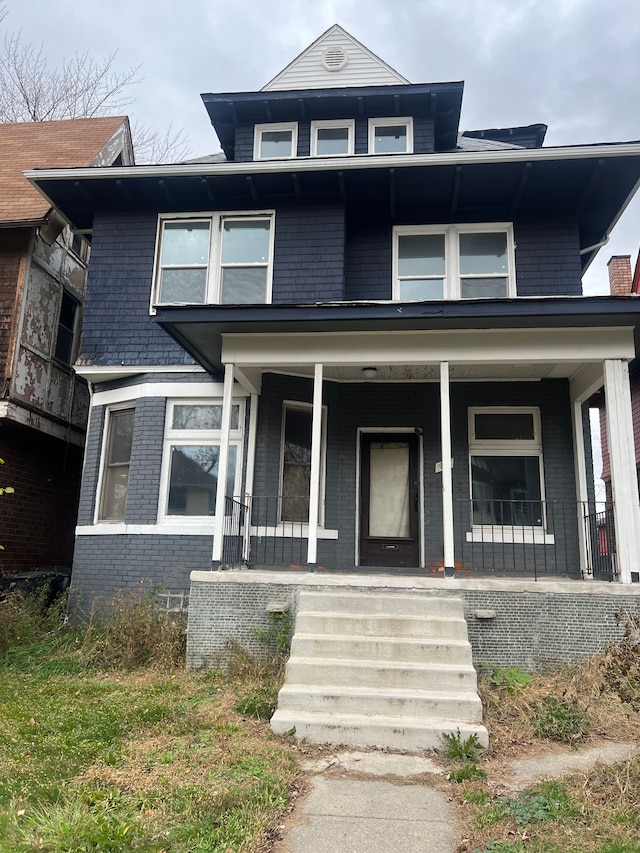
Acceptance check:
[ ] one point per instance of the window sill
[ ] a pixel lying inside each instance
(498, 534)
(290, 529)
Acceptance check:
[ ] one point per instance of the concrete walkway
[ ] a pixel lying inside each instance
(376, 802)
(370, 815)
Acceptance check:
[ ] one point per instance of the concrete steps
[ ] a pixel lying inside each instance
(379, 669)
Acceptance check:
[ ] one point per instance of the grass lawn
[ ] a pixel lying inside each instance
(100, 759)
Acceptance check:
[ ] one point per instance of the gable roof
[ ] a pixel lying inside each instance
(54, 144)
(333, 60)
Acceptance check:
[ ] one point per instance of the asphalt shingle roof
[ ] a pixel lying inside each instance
(42, 145)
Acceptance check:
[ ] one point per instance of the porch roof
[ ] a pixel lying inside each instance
(200, 330)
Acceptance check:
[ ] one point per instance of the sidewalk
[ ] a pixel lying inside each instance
(347, 815)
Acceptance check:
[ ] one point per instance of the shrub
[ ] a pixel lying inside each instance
(133, 631)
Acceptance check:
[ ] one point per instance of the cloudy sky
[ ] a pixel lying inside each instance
(571, 64)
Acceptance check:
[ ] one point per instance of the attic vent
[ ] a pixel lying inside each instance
(334, 58)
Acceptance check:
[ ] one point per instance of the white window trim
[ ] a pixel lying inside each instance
(407, 121)
(350, 126)
(295, 405)
(259, 129)
(216, 220)
(451, 235)
(176, 438)
(498, 533)
(106, 427)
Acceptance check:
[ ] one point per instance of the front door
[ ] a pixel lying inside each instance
(389, 500)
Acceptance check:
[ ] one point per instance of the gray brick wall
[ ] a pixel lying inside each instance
(531, 630)
(105, 564)
(146, 461)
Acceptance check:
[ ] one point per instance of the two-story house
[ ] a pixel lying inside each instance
(43, 404)
(354, 342)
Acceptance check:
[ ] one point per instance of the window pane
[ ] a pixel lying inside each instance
(115, 492)
(64, 345)
(193, 479)
(513, 426)
(391, 139)
(244, 286)
(246, 242)
(506, 490)
(483, 253)
(276, 143)
(120, 437)
(477, 288)
(186, 285)
(421, 288)
(421, 254)
(296, 474)
(332, 140)
(187, 416)
(185, 243)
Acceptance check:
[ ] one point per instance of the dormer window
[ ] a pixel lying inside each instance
(332, 138)
(390, 136)
(275, 141)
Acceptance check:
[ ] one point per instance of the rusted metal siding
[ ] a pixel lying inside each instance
(14, 245)
(39, 381)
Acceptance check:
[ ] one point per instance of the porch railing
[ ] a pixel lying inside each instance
(531, 539)
(534, 539)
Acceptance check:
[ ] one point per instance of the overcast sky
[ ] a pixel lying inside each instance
(571, 64)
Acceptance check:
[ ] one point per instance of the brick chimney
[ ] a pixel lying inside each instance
(619, 267)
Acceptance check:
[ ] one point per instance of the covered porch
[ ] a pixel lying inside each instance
(515, 527)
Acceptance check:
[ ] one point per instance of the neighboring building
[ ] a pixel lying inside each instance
(43, 404)
(364, 326)
(622, 283)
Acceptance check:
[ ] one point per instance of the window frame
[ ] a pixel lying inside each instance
(110, 411)
(333, 124)
(77, 307)
(374, 123)
(505, 447)
(452, 277)
(297, 406)
(173, 437)
(213, 267)
(279, 126)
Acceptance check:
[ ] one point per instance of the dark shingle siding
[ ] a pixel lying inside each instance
(548, 258)
(117, 326)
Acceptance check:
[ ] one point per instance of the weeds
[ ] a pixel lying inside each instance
(458, 750)
(511, 678)
(466, 773)
(559, 719)
(25, 619)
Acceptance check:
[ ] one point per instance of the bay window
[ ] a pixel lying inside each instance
(217, 259)
(116, 461)
(453, 262)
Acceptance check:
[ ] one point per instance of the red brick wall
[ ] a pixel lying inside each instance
(13, 247)
(37, 522)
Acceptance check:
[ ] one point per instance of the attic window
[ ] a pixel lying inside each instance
(334, 58)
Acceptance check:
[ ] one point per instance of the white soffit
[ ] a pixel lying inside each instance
(335, 59)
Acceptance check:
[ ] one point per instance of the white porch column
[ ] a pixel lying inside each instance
(586, 566)
(447, 479)
(624, 486)
(314, 486)
(223, 464)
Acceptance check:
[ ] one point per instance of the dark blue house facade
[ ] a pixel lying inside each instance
(354, 341)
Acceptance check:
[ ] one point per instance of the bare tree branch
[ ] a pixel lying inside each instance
(83, 87)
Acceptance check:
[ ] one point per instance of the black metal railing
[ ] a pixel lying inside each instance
(533, 539)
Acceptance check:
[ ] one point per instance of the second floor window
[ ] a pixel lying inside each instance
(453, 262)
(218, 259)
(275, 141)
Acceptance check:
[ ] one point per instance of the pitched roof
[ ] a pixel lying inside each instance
(335, 50)
(49, 144)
